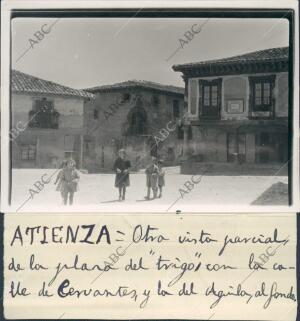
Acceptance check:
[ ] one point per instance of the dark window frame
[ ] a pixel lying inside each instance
(203, 83)
(263, 108)
(39, 121)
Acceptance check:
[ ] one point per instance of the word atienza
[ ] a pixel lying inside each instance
(88, 234)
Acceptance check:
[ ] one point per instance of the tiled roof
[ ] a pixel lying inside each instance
(137, 84)
(267, 55)
(24, 83)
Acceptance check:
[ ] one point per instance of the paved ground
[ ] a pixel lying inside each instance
(277, 194)
(98, 190)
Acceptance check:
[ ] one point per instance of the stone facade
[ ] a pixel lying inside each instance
(134, 118)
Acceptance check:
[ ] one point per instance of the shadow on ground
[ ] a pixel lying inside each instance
(277, 194)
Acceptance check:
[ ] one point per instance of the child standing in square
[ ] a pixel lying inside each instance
(58, 180)
(121, 167)
(152, 178)
(69, 179)
(161, 177)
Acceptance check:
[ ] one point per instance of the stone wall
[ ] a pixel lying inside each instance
(50, 143)
(110, 131)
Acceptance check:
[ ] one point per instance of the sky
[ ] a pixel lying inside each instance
(87, 52)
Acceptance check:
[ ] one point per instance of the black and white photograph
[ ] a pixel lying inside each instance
(150, 160)
(151, 110)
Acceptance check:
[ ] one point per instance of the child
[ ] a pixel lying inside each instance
(161, 177)
(69, 178)
(152, 178)
(121, 167)
(59, 180)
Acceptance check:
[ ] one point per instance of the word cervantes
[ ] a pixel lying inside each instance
(88, 234)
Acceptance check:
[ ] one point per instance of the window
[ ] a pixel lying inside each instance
(28, 152)
(211, 98)
(125, 97)
(96, 114)
(43, 115)
(155, 100)
(262, 96)
(210, 95)
(137, 122)
(176, 110)
(261, 99)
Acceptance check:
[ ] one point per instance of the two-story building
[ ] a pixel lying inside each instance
(47, 122)
(134, 115)
(238, 112)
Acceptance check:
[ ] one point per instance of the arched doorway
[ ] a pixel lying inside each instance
(137, 122)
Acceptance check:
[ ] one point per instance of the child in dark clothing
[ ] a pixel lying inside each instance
(121, 167)
(152, 178)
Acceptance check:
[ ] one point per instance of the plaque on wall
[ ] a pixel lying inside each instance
(235, 106)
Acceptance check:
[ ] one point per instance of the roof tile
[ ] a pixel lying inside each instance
(24, 83)
(137, 83)
(272, 54)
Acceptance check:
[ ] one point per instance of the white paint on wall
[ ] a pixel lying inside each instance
(280, 95)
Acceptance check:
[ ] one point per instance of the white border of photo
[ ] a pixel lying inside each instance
(8, 6)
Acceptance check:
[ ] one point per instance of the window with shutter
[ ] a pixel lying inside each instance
(261, 97)
(210, 100)
(43, 115)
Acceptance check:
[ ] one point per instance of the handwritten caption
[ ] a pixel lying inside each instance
(142, 266)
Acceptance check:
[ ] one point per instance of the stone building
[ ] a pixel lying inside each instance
(238, 111)
(134, 115)
(47, 122)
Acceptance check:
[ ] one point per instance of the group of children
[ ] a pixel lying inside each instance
(155, 176)
(68, 177)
